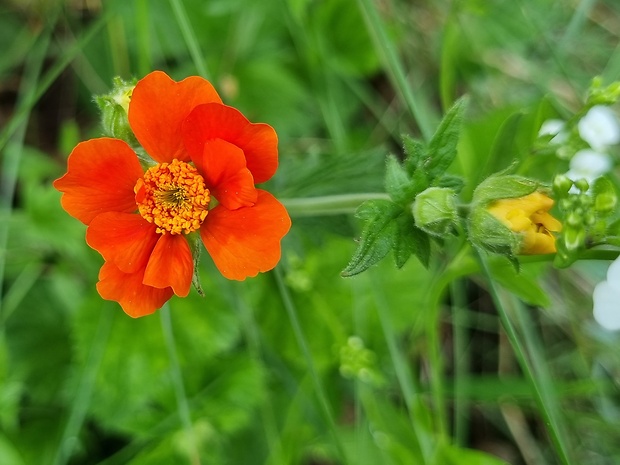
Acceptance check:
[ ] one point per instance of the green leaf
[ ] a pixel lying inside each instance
(415, 152)
(453, 455)
(504, 144)
(398, 184)
(377, 237)
(422, 243)
(404, 240)
(442, 148)
(456, 183)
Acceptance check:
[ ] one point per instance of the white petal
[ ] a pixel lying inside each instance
(613, 274)
(590, 164)
(554, 127)
(607, 306)
(599, 127)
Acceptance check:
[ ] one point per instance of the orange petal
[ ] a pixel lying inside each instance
(246, 241)
(124, 239)
(222, 165)
(127, 289)
(171, 265)
(101, 174)
(258, 141)
(158, 107)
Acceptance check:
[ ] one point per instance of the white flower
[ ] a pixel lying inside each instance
(589, 165)
(606, 299)
(599, 127)
(554, 127)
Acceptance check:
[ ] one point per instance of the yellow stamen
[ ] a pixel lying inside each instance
(174, 197)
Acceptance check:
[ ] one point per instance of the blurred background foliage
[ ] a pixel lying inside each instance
(300, 366)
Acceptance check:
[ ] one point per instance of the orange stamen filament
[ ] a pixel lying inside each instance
(174, 197)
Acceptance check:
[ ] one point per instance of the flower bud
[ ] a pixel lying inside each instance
(574, 238)
(434, 211)
(605, 202)
(114, 110)
(562, 184)
(510, 215)
(526, 223)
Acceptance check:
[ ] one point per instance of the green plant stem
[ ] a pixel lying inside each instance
(329, 204)
(326, 411)
(190, 37)
(411, 392)
(462, 359)
(544, 398)
(69, 440)
(13, 154)
(387, 51)
(177, 381)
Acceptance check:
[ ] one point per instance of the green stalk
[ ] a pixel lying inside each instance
(329, 204)
(81, 401)
(533, 369)
(13, 154)
(418, 413)
(387, 51)
(177, 380)
(462, 359)
(190, 37)
(326, 411)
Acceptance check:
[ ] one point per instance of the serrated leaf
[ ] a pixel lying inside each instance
(404, 243)
(398, 184)
(415, 152)
(442, 147)
(377, 237)
(422, 246)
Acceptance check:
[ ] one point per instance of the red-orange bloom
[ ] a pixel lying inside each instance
(139, 220)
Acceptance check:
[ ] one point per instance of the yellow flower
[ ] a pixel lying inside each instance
(529, 217)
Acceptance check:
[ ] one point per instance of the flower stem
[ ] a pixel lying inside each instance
(177, 380)
(537, 375)
(329, 204)
(305, 349)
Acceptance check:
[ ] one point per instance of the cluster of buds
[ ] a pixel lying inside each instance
(587, 210)
(358, 362)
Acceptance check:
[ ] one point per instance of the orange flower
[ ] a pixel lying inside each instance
(140, 221)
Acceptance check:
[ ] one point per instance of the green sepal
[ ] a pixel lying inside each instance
(194, 244)
(114, 110)
(508, 186)
(398, 184)
(488, 233)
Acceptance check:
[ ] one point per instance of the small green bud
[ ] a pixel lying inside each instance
(114, 110)
(434, 211)
(605, 202)
(590, 218)
(561, 185)
(566, 204)
(574, 219)
(582, 184)
(574, 238)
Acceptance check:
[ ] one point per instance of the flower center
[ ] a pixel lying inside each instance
(174, 197)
